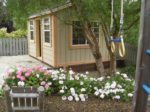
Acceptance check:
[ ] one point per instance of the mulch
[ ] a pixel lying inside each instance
(55, 104)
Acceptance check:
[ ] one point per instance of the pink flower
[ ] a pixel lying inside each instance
(18, 76)
(27, 74)
(43, 83)
(29, 70)
(19, 72)
(22, 78)
(46, 86)
(37, 68)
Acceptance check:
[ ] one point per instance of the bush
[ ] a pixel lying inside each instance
(130, 70)
(15, 34)
(71, 85)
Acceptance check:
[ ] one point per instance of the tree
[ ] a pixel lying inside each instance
(86, 11)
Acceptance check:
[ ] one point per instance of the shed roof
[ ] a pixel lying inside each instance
(51, 10)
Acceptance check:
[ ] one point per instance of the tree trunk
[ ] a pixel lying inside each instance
(93, 43)
(112, 62)
(111, 54)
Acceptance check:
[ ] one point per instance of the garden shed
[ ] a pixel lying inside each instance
(54, 41)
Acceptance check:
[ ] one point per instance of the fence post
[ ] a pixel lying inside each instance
(8, 99)
(41, 98)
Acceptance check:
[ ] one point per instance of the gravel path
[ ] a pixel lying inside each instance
(10, 61)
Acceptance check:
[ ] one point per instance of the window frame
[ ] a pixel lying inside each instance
(31, 29)
(86, 45)
(49, 24)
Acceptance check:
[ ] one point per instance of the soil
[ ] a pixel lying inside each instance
(55, 104)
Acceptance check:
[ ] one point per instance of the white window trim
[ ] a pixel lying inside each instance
(50, 36)
(31, 40)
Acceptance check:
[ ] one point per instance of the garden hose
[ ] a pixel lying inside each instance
(112, 45)
(121, 47)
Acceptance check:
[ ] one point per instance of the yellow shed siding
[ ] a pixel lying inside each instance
(31, 43)
(60, 52)
(70, 56)
(47, 49)
(48, 55)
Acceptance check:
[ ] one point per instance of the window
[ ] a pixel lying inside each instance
(31, 30)
(78, 37)
(47, 30)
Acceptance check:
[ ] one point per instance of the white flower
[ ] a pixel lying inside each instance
(119, 86)
(81, 83)
(95, 88)
(130, 95)
(86, 72)
(55, 72)
(124, 75)
(21, 83)
(82, 99)
(76, 77)
(122, 90)
(37, 75)
(113, 85)
(96, 93)
(49, 83)
(76, 98)
(107, 85)
(117, 73)
(72, 90)
(100, 79)
(127, 79)
(83, 90)
(0, 87)
(61, 82)
(71, 72)
(91, 79)
(64, 87)
(108, 77)
(62, 70)
(61, 91)
(70, 98)
(64, 98)
(107, 92)
(102, 96)
(81, 95)
(44, 68)
(116, 97)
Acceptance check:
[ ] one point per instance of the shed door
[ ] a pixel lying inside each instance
(38, 42)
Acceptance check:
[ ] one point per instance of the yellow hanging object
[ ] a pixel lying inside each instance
(112, 45)
(121, 47)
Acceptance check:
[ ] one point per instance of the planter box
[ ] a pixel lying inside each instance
(24, 99)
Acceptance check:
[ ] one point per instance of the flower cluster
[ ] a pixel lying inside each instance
(70, 85)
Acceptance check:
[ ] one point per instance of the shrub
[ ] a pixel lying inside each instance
(15, 34)
(71, 85)
(130, 70)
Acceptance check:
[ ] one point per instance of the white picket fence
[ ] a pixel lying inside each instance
(13, 46)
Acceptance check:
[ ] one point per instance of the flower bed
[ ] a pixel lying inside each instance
(70, 85)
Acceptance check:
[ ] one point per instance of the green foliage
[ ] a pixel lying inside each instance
(20, 10)
(130, 70)
(15, 34)
(72, 85)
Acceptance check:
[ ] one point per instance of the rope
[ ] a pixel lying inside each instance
(121, 44)
(112, 44)
(112, 14)
(121, 47)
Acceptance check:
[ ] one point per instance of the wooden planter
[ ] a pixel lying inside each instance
(24, 99)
